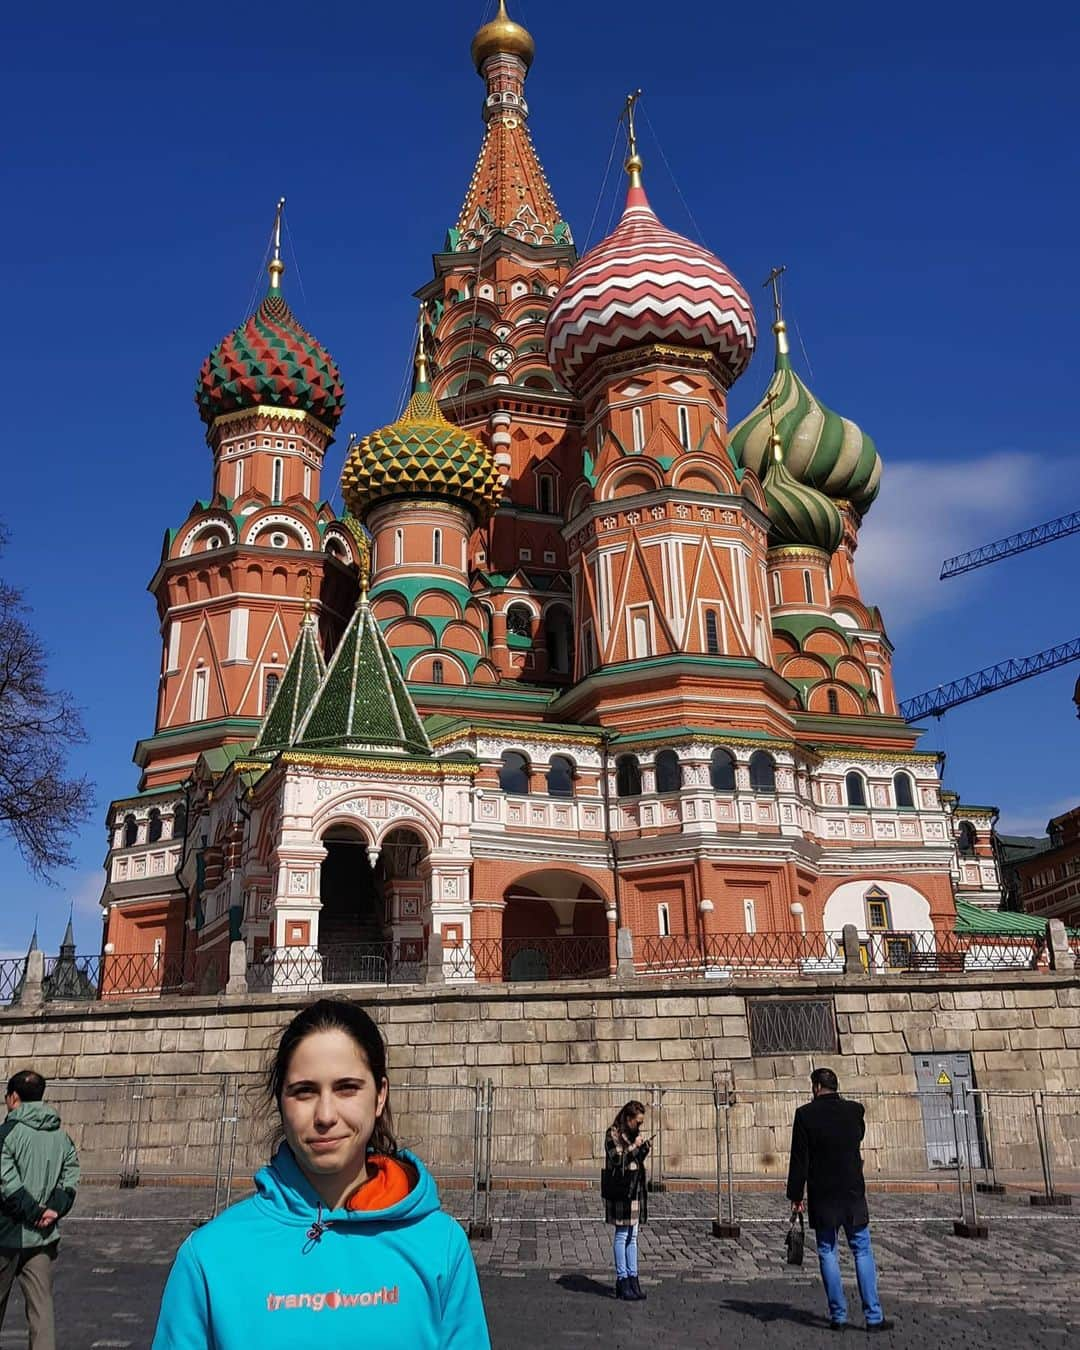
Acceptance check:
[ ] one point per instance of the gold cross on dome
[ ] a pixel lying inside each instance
(628, 117)
(773, 280)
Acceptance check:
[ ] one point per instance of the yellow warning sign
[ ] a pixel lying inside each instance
(943, 1079)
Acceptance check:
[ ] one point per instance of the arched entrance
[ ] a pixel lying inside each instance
(351, 931)
(554, 927)
(368, 895)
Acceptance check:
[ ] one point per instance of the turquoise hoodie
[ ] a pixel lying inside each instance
(277, 1271)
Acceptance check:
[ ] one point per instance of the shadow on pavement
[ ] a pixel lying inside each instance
(583, 1284)
(763, 1311)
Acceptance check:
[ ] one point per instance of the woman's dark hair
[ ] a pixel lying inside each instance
(334, 1014)
(632, 1108)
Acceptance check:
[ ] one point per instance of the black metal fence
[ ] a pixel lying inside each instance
(385, 963)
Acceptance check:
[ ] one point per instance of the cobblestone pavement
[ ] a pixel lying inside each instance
(549, 1258)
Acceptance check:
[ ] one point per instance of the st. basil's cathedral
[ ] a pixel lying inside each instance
(577, 656)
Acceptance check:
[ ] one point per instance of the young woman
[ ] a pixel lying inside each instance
(343, 1243)
(626, 1204)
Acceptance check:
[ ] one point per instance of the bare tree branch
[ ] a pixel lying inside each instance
(40, 805)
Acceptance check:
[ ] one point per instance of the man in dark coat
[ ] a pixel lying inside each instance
(827, 1163)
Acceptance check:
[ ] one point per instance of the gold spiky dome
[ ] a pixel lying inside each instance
(502, 34)
(421, 454)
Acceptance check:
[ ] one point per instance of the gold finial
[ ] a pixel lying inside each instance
(502, 35)
(774, 439)
(422, 378)
(779, 326)
(633, 163)
(276, 266)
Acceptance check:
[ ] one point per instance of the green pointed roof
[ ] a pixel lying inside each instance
(362, 703)
(294, 695)
(821, 448)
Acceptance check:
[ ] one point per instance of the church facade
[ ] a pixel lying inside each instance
(577, 657)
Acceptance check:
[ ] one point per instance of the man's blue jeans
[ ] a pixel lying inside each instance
(865, 1272)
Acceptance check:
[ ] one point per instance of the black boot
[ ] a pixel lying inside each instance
(635, 1289)
(622, 1289)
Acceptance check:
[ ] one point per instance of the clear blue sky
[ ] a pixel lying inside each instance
(915, 167)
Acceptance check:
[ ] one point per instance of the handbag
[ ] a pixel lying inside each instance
(617, 1184)
(795, 1241)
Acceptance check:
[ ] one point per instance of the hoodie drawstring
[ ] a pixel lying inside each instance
(315, 1232)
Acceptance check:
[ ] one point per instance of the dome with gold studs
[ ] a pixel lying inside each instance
(502, 34)
(421, 454)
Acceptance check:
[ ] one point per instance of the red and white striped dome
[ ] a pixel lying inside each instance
(644, 284)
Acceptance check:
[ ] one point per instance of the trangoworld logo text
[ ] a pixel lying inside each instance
(333, 1299)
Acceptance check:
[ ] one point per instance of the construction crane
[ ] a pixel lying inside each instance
(1013, 543)
(937, 701)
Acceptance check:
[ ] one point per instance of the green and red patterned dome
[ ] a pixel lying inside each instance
(270, 361)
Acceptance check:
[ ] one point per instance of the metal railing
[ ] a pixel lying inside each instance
(719, 1152)
(726, 955)
(541, 958)
(385, 963)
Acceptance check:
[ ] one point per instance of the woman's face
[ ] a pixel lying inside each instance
(634, 1123)
(330, 1104)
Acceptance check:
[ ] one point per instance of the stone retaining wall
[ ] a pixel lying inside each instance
(562, 1059)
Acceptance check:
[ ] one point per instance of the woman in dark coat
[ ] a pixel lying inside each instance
(626, 1198)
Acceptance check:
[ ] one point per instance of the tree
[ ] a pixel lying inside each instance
(40, 805)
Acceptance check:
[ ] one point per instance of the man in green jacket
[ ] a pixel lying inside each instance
(39, 1171)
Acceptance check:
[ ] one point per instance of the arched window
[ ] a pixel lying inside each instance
(560, 776)
(628, 776)
(279, 473)
(519, 620)
(514, 772)
(131, 830)
(722, 771)
(777, 589)
(684, 427)
(668, 772)
(762, 772)
(437, 672)
(436, 546)
(637, 418)
(399, 547)
(712, 633)
(238, 481)
(903, 792)
(153, 827)
(833, 701)
(855, 786)
(559, 640)
(270, 688)
(545, 494)
(966, 839)
(808, 587)
(179, 821)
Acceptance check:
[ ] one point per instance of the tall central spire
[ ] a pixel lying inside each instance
(508, 192)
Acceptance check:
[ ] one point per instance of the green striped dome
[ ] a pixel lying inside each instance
(821, 448)
(798, 514)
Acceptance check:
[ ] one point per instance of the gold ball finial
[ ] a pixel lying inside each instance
(501, 35)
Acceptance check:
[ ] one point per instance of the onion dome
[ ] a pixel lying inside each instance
(820, 447)
(502, 34)
(421, 454)
(799, 515)
(645, 284)
(271, 361)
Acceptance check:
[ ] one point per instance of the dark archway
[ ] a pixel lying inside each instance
(353, 910)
